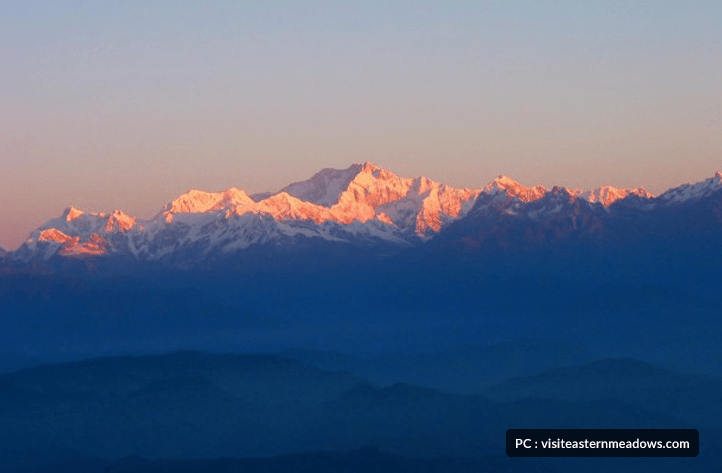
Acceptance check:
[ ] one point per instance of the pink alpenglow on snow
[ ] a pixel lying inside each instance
(361, 202)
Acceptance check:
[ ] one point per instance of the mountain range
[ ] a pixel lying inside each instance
(354, 260)
(359, 310)
(362, 205)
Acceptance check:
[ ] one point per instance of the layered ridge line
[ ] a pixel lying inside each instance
(360, 193)
(362, 204)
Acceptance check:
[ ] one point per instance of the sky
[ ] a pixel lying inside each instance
(126, 105)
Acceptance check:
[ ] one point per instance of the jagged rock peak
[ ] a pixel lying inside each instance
(71, 213)
(689, 192)
(607, 195)
(197, 201)
(513, 189)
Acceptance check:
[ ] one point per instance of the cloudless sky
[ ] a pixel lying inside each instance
(107, 104)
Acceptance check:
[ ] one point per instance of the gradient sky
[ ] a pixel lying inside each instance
(126, 105)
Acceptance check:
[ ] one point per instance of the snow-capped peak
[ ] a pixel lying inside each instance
(505, 181)
(326, 186)
(607, 195)
(363, 192)
(687, 192)
(513, 189)
(71, 213)
(196, 201)
(120, 221)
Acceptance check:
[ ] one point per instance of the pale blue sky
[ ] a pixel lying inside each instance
(108, 105)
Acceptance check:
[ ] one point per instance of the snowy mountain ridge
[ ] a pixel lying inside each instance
(362, 204)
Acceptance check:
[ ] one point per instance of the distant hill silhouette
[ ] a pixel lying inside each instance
(689, 397)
